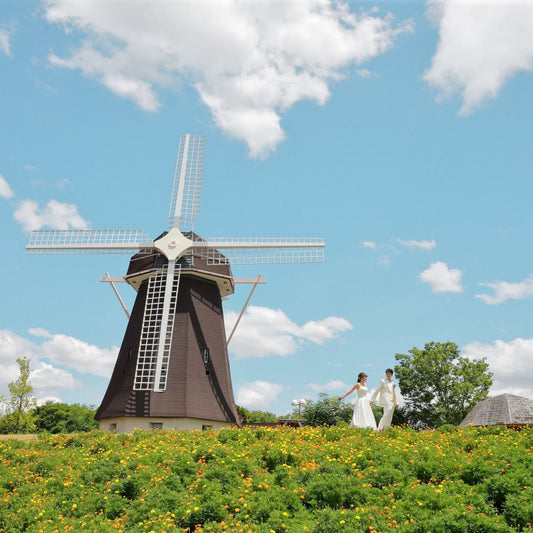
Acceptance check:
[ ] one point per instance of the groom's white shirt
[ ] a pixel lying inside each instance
(386, 390)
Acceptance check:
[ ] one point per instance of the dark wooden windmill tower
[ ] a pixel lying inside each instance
(172, 370)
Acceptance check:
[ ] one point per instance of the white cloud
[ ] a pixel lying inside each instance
(258, 395)
(441, 278)
(74, 353)
(420, 245)
(13, 346)
(49, 380)
(330, 386)
(5, 189)
(319, 331)
(4, 42)
(263, 331)
(504, 291)
(44, 378)
(481, 45)
(364, 73)
(30, 167)
(55, 215)
(369, 244)
(511, 363)
(249, 61)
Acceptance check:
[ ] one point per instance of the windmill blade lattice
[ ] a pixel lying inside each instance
(266, 250)
(87, 241)
(187, 186)
(156, 333)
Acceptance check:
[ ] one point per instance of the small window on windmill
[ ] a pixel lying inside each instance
(156, 425)
(205, 355)
(113, 427)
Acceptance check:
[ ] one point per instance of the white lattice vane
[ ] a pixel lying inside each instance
(187, 186)
(250, 256)
(86, 241)
(156, 332)
(252, 251)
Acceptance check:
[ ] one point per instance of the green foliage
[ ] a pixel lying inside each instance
(327, 411)
(256, 416)
(17, 411)
(314, 479)
(439, 386)
(270, 479)
(64, 418)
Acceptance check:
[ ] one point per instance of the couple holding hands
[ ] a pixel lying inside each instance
(386, 396)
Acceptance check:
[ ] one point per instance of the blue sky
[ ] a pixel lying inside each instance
(401, 132)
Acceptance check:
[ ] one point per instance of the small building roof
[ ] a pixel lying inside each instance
(504, 409)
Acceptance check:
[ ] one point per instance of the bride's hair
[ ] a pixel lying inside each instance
(361, 376)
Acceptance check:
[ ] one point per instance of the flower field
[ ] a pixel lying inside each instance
(270, 480)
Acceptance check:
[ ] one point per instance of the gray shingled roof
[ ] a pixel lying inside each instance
(505, 409)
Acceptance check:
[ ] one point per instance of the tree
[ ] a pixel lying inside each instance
(64, 418)
(17, 416)
(256, 417)
(327, 411)
(438, 385)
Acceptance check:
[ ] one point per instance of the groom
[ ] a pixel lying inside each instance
(387, 399)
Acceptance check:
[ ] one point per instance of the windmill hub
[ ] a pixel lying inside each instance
(174, 244)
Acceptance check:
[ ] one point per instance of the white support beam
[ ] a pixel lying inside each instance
(256, 282)
(112, 282)
(108, 279)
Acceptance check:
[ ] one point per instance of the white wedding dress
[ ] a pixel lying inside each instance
(363, 417)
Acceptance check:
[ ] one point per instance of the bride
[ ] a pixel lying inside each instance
(363, 417)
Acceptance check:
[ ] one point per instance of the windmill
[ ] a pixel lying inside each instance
(172, 370)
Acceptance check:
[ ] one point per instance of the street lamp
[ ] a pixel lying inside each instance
(300, 403)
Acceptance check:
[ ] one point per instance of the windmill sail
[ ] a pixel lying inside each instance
(157, 328)
(187, 186)
(266, 250)
(87, 241)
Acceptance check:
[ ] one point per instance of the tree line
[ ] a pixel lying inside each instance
(21, 414)
(439, 386)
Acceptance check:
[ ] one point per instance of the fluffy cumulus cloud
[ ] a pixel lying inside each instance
(417, 245)
(258, 395)
(54, 215)
(441, 278)
(510, 362)
(263, 331)
(481, 45)
(249, 61)
(52, 358)
(5, 189)
(4, 42)
(13, 346)
(504, 291)
(50, 381)
(74, 353)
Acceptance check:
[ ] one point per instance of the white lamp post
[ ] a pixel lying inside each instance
(300, 403)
